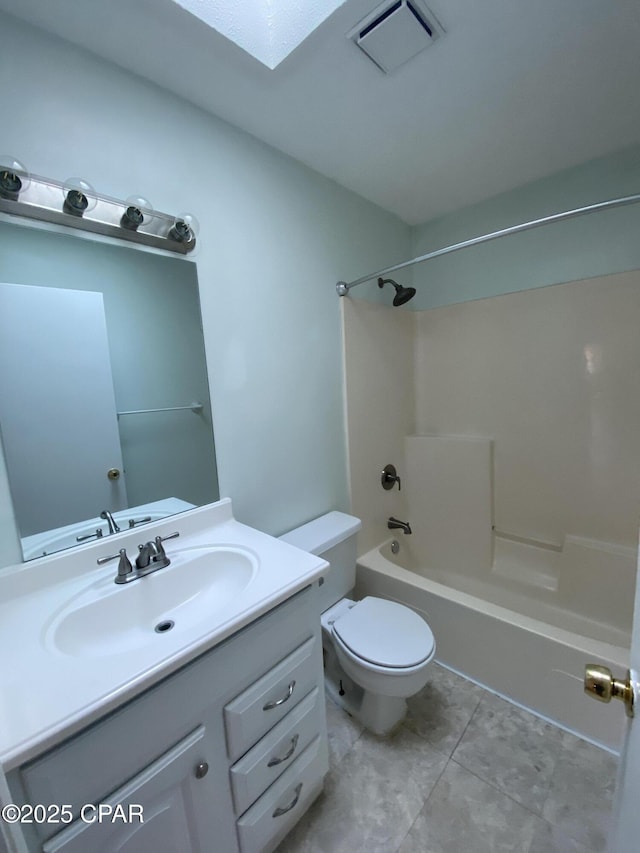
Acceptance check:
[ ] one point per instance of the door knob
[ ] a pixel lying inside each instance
(113, 473)
(601, 685)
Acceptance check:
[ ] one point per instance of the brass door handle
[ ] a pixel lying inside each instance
(600, 684)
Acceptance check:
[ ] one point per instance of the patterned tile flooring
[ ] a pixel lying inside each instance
(467, 772)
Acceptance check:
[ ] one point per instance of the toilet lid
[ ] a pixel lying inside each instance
(385, 633)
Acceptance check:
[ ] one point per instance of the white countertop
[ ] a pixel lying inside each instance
(48, 695)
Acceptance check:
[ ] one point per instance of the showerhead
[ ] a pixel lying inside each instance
(403, 294)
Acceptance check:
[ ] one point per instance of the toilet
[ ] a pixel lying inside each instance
(376, 652)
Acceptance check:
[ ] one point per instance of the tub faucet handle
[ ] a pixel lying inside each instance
(390, 477)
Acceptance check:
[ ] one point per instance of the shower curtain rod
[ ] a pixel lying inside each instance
(342, 287)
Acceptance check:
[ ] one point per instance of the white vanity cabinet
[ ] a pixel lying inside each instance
(223, 756)
(172, 797)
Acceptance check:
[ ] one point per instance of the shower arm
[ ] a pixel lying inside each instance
(343, 287)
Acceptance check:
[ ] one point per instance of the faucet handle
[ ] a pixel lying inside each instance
(389, 477)
(125, 569)
(160, 552)
(133, 522)
(170, 536)
(96, 535)
(102, 560)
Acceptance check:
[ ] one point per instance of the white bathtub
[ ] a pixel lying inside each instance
(524, 643)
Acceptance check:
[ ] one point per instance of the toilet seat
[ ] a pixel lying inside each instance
(384, 634)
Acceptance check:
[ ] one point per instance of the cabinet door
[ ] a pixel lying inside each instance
(174, 795)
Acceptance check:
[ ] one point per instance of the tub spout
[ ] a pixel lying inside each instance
(396, 524)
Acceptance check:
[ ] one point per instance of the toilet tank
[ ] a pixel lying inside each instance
(332, 537)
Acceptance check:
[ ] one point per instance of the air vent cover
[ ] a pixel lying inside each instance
(395, 32)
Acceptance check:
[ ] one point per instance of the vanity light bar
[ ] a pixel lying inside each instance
(77, 205)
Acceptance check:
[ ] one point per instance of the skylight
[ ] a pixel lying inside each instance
(267, 29)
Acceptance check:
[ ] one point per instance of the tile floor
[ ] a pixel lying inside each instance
(467, 772)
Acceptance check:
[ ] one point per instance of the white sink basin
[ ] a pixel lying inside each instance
(89, 644)
(111, 619)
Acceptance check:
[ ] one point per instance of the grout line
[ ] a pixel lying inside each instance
(503, 793)
(538, 815)
(489, 782)
(464, 731)
(424, 803)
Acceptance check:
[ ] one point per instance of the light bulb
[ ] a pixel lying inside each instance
(14, 177)
(79, 197)
(137, 210)
(185, 229)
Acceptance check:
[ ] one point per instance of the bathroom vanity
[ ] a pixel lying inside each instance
(215, 735)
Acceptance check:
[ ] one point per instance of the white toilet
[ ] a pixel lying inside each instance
(376, 652)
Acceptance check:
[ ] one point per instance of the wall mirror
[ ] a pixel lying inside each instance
(105, 416)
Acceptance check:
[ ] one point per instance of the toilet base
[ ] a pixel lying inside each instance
(381, 714)
(378, 714)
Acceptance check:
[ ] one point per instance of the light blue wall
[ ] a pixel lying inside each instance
(592, 245)
(275, 237)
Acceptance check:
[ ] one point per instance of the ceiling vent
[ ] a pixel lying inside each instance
(395, 32)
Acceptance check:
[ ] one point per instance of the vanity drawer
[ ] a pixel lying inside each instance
(269, 699)
(279, 808)
(277, 750)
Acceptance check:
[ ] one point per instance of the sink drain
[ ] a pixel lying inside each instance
(163, 627)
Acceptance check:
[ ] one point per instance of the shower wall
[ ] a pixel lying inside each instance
(380, 410)
(551, 376)
(528, 415)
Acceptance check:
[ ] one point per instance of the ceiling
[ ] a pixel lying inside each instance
(513, 91)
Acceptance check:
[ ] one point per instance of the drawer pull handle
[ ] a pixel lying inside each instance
(271, 705)
(292, 749)
(280, 811)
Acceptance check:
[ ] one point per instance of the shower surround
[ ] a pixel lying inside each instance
(513, 421)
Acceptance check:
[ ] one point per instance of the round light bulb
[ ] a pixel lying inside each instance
(137, 211)
(14, 177)
(185, 229)
(79, 197)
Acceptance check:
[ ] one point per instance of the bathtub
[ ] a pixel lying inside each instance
(516, 630)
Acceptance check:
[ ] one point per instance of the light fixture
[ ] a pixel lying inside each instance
(14, 177)
(138, 209)
(66, 204)
(80, 197)
(185, 229)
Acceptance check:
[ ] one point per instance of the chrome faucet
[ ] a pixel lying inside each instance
(396, 524)
(113, 527)
(151, 557)
(153, 552)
